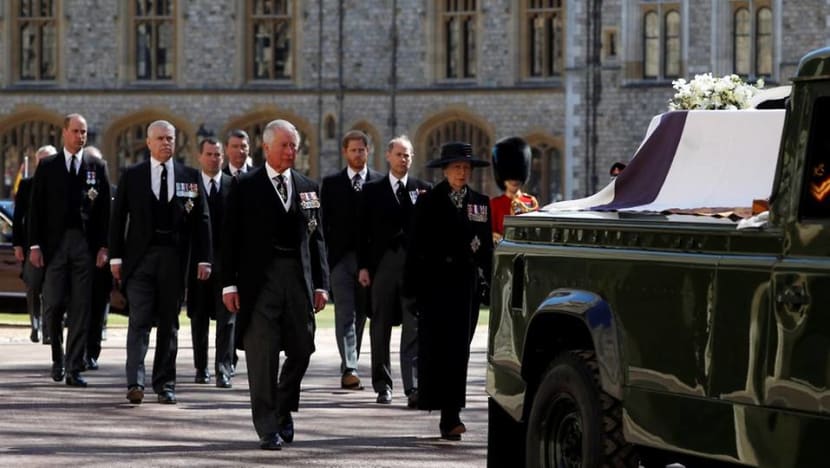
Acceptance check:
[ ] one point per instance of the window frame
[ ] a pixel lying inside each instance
(288, 17)
(661, 12)
(132, 54)
(553, 55)
(754, 9)
(16, 51)
(450, 10)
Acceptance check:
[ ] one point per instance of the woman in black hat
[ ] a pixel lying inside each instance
(448, 266)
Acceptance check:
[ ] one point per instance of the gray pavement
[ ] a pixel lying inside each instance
(43, 423)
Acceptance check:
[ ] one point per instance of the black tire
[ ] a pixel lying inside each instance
(505, 438)
(573, 423)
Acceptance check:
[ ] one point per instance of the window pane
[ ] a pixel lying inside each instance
(271, 40)
(282, 50)
(741, 43)
(453, 34)
(48, 52)
(262, 52)
(537, 48)
(763, 47)
(469, 49)
(672, 47)
(164, 51)
(28, 52)
(143, 45)
(651, 45)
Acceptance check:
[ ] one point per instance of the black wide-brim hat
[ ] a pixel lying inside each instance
(457, 152)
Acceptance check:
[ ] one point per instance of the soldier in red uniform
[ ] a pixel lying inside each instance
(511, 167)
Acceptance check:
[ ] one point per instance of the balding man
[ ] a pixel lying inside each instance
(159, 220)
(68, 220)
(32, 277)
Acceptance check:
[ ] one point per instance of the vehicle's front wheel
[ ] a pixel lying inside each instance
(573, 423)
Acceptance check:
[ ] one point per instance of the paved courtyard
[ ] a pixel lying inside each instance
(43, 423)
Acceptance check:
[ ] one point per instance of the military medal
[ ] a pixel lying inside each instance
(188, 205)
(477, 213)
(309, 201)
(90, 178)
(91, 193)
(413, 196)
(312, 225)
(475, 244)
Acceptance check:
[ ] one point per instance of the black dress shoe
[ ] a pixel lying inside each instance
(91, 364)
(412, 399)
(74, 379)
(384, 397)
(57, 372)
(35, 335)
(287, 428)
(167, 397)
(454, 432)
(47, 339)
(271, 442)
(202, 376)
(135, 394)
(223, 381)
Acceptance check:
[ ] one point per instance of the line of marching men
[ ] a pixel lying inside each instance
(259, 250)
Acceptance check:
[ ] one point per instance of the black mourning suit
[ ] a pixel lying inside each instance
(387, 218)
(154, 240)
(276, 259)
(204, 298)
(341, 226)
(68, 219)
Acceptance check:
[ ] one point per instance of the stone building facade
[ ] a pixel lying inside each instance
(578, 79)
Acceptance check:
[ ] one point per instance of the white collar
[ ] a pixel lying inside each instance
(363, 172)
(394, 180)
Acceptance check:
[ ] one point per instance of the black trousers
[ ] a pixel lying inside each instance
(206, 302)
(68, 283)
(101, 288)
(154, 292)
(282, 319)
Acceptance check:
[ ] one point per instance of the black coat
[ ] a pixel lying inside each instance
(448, 248)
(217, 215)
(248, 233)
(132, 225)
(385, 222)
(341, 213)
(47, 215)
(20, 232)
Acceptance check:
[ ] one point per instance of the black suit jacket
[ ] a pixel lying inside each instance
(341, 213)
(227, 169)
(132, 219)
(386, 222)
(20, 232)
(47, 213)
(248, 233)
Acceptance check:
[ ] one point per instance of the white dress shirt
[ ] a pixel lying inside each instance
(217, 179)
(289, 184)
(155, 177)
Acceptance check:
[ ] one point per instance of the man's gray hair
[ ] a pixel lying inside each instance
(279, 124)
(45, 150)
(402, 140)
(160, 123)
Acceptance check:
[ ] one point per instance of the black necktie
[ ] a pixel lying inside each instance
(281, 189)
(400, 192)
(213, 190)
(163, 184)
(237, 173)
(73, 165)
(356, 186)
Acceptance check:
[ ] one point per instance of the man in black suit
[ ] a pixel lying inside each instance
(32, 277)
(204, 298)
(68, 220)
(237, 149)
(341, 198)
(387, 216)
(160, 219)
(275, 275)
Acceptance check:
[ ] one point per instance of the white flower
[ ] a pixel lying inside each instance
(707, 92)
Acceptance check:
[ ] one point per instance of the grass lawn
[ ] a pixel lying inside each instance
(325, 318)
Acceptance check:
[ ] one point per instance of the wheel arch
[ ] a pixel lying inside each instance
(570, 319)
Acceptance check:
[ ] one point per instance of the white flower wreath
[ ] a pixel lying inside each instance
(729, 92)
